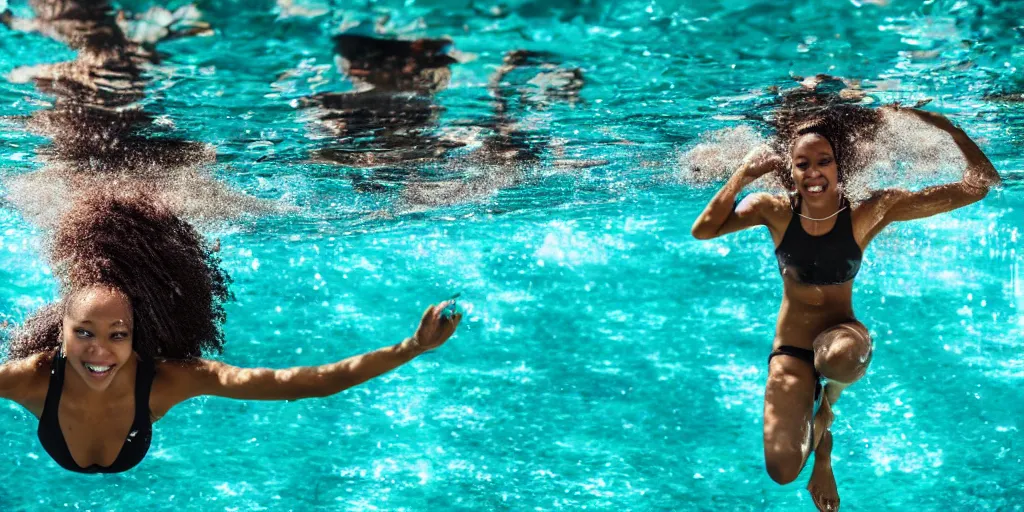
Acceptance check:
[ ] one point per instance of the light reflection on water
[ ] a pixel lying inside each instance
(609, 360)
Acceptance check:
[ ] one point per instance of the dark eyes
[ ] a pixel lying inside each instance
(823, 163)
(82, 333)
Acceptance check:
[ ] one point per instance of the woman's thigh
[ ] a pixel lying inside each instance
(788, 412)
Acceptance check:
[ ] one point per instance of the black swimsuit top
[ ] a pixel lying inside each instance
(832, 258)
(135, 445)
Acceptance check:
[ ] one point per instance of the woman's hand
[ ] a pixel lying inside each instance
(434, 329)
(760, 161)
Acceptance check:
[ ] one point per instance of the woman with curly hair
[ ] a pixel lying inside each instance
(141, 301)
(819, 239)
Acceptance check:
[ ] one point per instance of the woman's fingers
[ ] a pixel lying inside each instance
(427, 314)
(435, 326)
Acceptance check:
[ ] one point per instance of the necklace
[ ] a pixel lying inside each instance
(823, 218)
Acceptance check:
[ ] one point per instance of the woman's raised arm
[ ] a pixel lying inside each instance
(719, 217)
(901, 205)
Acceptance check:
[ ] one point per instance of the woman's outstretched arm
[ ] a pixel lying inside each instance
(900, 205)
(204, 377)
(719, 217)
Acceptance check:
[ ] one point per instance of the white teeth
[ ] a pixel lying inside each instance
(97, 369)
(816, 188)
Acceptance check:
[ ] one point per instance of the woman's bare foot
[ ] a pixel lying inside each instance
(822, 485)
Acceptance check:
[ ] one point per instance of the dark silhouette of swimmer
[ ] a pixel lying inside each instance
(527, 81)
(388, 121)
(419, 66)
(94, 117)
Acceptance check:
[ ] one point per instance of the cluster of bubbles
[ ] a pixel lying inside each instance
(900, 151)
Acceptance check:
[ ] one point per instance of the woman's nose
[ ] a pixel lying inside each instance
(96, 349)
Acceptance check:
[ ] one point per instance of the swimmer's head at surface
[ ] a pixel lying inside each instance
(149, 260)
(421, 65)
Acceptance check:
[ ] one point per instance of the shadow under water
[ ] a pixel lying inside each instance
(100, 135)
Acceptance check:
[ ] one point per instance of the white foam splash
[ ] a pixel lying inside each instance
(718, 155)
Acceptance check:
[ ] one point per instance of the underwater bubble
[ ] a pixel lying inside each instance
(718, 155)
(905, 152)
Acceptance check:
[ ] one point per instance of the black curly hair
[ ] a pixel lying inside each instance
(843, 126)
(128, 240)
(827, 113)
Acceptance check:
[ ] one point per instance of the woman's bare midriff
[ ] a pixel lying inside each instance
(808, 310)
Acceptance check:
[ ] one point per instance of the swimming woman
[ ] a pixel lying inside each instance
(819, 239)
(141, 300)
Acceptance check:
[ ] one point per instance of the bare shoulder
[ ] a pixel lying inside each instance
(763, 203)
(870, 211)
(882, 197)
(26, 369)
(174, 382)
(869, 216)
(26, 380)
(775, 208)
(777, 204)
(178, 373)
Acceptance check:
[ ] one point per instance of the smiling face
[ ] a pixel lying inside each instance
(815, 172)
(97, 335)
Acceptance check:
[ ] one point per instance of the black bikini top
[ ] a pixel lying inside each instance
(135, 445)
(832, 258)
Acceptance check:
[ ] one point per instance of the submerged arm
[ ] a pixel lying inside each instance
(719, 217)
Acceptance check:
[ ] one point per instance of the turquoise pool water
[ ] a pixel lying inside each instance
(607, 360)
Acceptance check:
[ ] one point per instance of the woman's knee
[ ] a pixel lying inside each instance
(843, 353)
(783, 467)
(789, 399)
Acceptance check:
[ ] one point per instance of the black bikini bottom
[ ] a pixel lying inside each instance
(806, 355)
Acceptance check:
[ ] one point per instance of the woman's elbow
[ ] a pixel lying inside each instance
(701, 230)
(974, 193)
